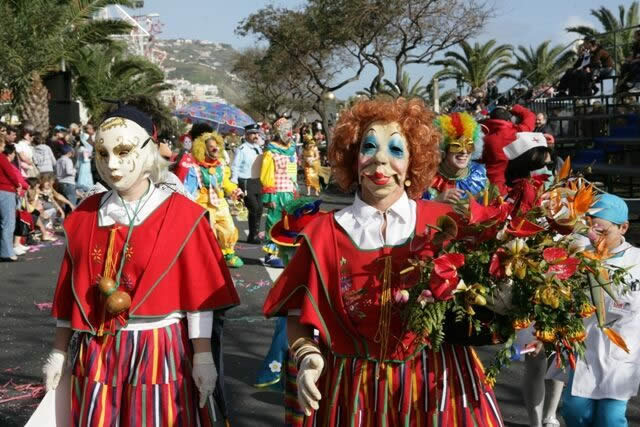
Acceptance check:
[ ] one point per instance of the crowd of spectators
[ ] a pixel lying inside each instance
(42, 177)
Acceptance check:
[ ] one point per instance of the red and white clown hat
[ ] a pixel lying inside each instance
(524, 142)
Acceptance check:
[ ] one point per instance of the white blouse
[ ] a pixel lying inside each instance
(363, 223)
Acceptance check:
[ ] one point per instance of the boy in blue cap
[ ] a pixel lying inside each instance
(607, 377)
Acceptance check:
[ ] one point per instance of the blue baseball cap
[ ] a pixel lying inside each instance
(610, 207)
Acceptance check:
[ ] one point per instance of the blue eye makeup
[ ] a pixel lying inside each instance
(369, 146)
(396, 147)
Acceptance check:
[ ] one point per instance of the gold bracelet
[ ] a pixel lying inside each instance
(301, 342)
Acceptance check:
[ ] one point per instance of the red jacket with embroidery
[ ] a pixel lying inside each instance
(175, 264)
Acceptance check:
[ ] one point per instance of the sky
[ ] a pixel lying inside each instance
(516, 22)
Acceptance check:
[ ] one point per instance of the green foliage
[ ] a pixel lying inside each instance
(616, 42)
(477, 64)
(105, 72)
(544, 64)
(427, 320)
(38, 35)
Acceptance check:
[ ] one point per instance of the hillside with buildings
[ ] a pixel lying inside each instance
(201, 70)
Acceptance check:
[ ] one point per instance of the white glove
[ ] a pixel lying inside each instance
(500, 300)
(204, 375)
(53, 368)
(310, 370)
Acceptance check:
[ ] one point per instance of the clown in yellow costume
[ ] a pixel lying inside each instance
(214, 184)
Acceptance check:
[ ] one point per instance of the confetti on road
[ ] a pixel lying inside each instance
(27, 391)
(42, 306)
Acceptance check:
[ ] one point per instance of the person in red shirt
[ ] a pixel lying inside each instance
(9, 186)
(501, 131)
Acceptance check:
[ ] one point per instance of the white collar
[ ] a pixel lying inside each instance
(363, 222)
(363, 212)
(623, 246)
(112, 207)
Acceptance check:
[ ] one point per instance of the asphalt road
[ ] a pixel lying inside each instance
(27, 332)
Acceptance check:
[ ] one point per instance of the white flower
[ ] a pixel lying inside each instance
(275, 366)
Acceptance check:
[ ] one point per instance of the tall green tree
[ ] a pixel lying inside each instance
(543, 64)
(107, 72)
(39, 36)
(617, 40)
(273, 85)
(477, 64)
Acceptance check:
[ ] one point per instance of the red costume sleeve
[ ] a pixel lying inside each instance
(63, 298)
(527, 118)
(309, 284)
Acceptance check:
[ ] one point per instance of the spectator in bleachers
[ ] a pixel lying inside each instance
(601, 65)
(9, 186)
(593, 64)
(66, 174)
(43, 157)
(500, 132)
(541, 124)
(630, 71)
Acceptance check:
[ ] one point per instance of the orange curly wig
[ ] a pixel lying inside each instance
(416, 122)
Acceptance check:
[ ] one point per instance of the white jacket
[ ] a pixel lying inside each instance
(607, 372)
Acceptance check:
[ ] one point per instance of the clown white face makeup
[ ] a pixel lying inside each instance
(120, 158)
(383, 162)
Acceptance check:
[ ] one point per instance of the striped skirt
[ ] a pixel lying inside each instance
(444, 388)
(137, 378)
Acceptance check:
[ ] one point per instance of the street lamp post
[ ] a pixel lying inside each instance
(459, 85)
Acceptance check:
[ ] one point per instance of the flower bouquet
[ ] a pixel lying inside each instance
(520, 258)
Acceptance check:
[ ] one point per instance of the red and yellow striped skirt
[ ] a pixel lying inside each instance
(137, 378)
(444, 389)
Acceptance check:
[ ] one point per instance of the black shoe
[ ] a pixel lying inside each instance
(14, 259)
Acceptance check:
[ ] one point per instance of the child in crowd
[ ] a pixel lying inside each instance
(35, 208)
(66, 174)
(52, 201)
(607, 377)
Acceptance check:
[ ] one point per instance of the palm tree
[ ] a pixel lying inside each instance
(390, 89)
(107, 73)
(621, 40)
(544, 64)
(30, 48)
(477, 64)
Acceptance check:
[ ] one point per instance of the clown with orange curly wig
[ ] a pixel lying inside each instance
(213, 184)
(457, 174)
(347, 281)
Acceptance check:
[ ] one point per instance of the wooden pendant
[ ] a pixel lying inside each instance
(107, 286)
(118, 302)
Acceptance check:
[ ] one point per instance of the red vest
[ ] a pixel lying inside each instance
(175, 264)
(314, 283)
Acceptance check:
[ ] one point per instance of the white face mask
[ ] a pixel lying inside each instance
(120, 158)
